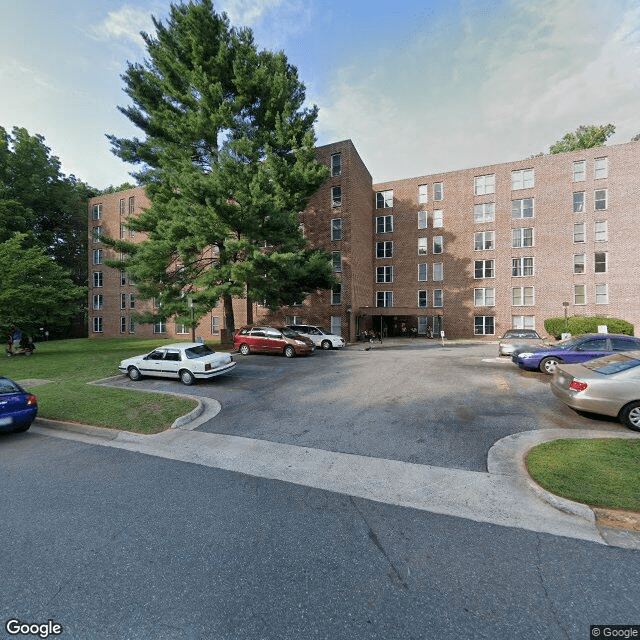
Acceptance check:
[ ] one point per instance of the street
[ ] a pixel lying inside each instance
(111, 543)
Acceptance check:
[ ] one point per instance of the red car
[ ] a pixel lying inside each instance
(272, 340)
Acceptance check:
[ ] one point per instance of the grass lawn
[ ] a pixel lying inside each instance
(70, 365)
(600, 472)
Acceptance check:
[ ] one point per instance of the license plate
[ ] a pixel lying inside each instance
(5, 421)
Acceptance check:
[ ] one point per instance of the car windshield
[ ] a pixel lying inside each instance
(7, 386)
(568, 344)
(198, 352)
(612, 364)
(323, 330)
(520, 334)
(290, 333)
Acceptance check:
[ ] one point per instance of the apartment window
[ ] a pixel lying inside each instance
(123, 300)
(485, 212)
(484, 184)
(181, 329)
(132, 325)
(336, 229)
(600, 231)
(522, 237)
(579, 170)
(97, 256)
(484, 240)
(422, 219)
(600, 168)
(578, 201)
(97, 324)
(437, 218)
(132, 301)
(132, 205)
(423, 272)
(384, 199)
(523, 322)
(384, 299)
(336, 294)
(336, 196)
(483, 269)
(384, 274)
(215, 325)
(522, 208)
(579, 263)
(97, 301)
(97, 232)
(336, 259)
(159, 327)
(438, 191)
(437, 298)
(579, 294)
(423, 246)
(123, 278)
(521, 267)
(97, 278)
(132, 233)
(123, 324)
(384, 224)
(336, 164)
(96, 212)
(423, 298)
(578, 232)
(121, 207)
(123, 231)
(522, 296)
(522, 179)
(602, 296)
(423, 193)
(483, 325)
(384, 249)
(438, 244)
(600, 262)
(600, 199)
(336, 325)
(437, 272)
(423, 325)
(484, 297)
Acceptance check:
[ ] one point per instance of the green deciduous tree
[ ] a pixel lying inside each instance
(228, 161)
(584, 137)
(36, 291)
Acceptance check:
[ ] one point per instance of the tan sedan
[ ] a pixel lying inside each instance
(609, 385)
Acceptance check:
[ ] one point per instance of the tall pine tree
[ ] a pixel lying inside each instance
(228, 161)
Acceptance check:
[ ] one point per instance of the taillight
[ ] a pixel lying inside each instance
(31, 400)
(576, 385)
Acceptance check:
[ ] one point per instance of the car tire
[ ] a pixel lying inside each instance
(326, 345)
(289, 351)
(134, 374)
(186, 377)
(548, 365)
(22, 429)
(630, 416)
(244, 349)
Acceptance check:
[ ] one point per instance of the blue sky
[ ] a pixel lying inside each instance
(420, 87)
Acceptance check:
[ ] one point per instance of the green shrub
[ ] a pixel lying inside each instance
(578, 325)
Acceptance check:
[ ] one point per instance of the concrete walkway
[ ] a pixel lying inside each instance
(505, 495)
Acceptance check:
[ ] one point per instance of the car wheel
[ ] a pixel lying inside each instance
(548, 365)
(630, 416)
(186, 377)
(244, 349)
(289, 351)
(134, 374)
(22, 428)
(326, 344)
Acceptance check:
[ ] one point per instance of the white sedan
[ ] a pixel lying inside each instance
(188, 361)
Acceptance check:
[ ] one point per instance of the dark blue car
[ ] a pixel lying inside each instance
(18, 408)
(578, 349)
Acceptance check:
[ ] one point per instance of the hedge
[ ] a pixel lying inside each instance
(577, 325)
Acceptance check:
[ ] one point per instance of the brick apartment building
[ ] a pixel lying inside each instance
(471, 252)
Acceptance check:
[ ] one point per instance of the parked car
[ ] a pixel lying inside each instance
(272, 340)
(188, 361)
(318, 335)
(18, 408)
(578, 349)
(608, 385)
(516, 338)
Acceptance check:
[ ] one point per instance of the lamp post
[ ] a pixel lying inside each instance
(566, 317)
(193, 325)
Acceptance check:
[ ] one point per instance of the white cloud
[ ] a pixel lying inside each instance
(127, 22)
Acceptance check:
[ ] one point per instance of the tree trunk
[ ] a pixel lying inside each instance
(249, 308)
(229, 321)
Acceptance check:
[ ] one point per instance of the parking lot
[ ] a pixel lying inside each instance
(415, 402)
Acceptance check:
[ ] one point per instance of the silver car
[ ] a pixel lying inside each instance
(609, 385)
(318, 335)
(516, 338)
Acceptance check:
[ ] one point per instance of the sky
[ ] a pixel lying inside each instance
(420, 87)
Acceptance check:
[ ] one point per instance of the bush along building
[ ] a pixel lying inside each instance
(471, 252)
